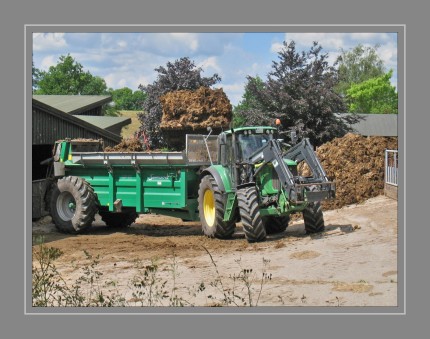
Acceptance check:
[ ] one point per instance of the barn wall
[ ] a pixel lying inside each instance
(48, 128)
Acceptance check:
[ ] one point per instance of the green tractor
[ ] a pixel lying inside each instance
(242, 174)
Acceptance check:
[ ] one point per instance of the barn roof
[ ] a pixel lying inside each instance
(375, 124)
(73, 104)
(105, 122)
(54, 124)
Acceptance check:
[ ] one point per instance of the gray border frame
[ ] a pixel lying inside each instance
(399, 29)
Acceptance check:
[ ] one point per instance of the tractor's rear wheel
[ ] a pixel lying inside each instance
(276, 224)
(211, 210)
(249, 209)
(118, 219)
(73, 204)
(313, 218)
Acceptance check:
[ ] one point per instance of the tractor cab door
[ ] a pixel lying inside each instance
(227, 155)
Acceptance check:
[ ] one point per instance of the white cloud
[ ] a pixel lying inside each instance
(47, 62)
(110, 80)
(142, 80)
(276, 47)
(48, 41)
(122, 83)
(326, 40)
(122, 44)
(189, 39)
(388, 53)
(234, 92)
(237, 87)
(369, 36)
(209, 63)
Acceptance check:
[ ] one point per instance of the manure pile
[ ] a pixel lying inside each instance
(127, 145)
(356, 163)
(195, 110)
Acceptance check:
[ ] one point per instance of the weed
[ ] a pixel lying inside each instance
(247, 285)
(148, 287)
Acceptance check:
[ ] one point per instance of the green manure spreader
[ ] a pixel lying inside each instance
(245, 174)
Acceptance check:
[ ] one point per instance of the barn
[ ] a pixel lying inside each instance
(56, 117)
(374, 124)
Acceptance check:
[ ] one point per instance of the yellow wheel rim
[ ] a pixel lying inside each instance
(209, 207)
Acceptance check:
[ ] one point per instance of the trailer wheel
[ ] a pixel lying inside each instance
(313, 218)
(211, 210)
(73, 205)
(276, 224)
(118, 219)
(249, 209)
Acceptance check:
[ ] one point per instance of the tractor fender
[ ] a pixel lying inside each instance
(220, 175)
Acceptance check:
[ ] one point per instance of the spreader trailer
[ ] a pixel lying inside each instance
(242, 174)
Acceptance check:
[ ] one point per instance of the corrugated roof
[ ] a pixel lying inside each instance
(375, 124)
(105, 122)
(73, 104)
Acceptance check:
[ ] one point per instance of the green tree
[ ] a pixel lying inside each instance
(248, 102)
(35, 77)
(375, 95)
(69, 78)
(300, 92)
(126, 99)
(358, 65)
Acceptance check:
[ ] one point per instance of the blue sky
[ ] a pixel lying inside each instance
(129, 59)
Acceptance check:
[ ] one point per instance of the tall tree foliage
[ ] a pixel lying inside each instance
(69, 78)
(357, 65)
(375, 95)
(35, 77)
(300, 91)
(248, 102)
(125, 99)
(182, 74)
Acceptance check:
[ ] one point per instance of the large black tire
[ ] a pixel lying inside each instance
(211, 210)
(313, 218)
(249, 209)
(118, 219)
(276, 224)
(73, 205)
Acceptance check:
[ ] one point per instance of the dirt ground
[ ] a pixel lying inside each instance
(352, 263)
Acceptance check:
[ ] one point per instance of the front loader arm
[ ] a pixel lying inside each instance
(303, 151)
(299, 189)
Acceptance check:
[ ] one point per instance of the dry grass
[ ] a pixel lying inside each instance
(129, 130)
(354, 287)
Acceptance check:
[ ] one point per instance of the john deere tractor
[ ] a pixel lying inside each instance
(245, 174)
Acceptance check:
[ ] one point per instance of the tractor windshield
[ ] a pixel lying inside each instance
(249, 143)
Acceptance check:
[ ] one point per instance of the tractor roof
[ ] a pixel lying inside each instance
(240, 129)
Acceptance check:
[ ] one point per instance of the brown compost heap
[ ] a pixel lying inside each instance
(195, 110)
(356, 163)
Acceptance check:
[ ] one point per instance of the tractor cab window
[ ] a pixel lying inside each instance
(250, 143)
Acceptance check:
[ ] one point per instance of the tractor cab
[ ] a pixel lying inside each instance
(238, 145)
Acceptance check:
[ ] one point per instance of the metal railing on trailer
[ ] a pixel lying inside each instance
(391, 167)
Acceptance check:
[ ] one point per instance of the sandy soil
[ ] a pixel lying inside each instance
(352, 263)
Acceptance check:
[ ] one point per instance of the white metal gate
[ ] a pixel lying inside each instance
(391, 167)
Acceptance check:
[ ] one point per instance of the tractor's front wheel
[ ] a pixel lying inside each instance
(249, 209)
(313, 218)
(73, 204)
(211, 210)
